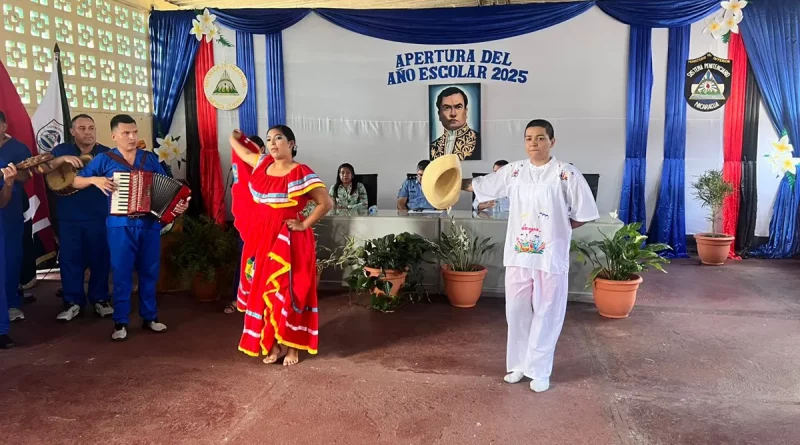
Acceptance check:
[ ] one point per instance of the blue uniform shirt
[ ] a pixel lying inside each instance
(16, 152)
(104, 165)
(89, 204)
(412, 190)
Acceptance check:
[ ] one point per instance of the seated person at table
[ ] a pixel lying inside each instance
(410, 196)
(498, 205)
(348, 193)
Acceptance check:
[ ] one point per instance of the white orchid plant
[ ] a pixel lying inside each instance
(782, 161)
(204, 25)
(168, 150)
(726, 21)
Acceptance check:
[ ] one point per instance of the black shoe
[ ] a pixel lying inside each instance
(154, 326)
(6, 342)
(120, 332)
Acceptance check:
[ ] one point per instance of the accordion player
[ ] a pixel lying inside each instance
(140, 193)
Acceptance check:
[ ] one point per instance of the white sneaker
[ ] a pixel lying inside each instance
(155, 326)
(514, 377)
(120, 333)
(69, 313)
(540, 385)
(103, 309)
(15, 314)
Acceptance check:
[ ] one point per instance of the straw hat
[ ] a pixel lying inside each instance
(441, 183)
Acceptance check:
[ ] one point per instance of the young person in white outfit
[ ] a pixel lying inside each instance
(547, 198)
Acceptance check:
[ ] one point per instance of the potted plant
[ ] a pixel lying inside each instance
(711, 189)
(617, 262)
(382, 265)
(462, 271)
(205, 257)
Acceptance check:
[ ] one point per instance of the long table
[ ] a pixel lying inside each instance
(335, 228)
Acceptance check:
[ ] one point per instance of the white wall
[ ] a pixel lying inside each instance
(341, 109)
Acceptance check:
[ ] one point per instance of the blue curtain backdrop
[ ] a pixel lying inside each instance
(276, 97)
(771, 33)
(640, 87)
(248, 117)
(172, 51)
(473, 25)
(659, 13)
(669, 220)
(259, 21)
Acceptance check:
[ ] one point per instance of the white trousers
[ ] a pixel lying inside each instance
(536, 302)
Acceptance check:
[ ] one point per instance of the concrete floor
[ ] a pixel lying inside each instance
(708, 356)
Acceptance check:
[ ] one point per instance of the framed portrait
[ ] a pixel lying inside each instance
(454, 119)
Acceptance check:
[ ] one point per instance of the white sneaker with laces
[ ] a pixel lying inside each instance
(540, 385)
(513, 377)
(120, 333)
(103, 309)
(69, 313)
(155, 326)
(15, 314)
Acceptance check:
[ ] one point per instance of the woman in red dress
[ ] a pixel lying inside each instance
(281, 314)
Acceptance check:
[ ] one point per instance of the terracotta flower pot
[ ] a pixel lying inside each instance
(204, 291)
(396, 277)
(463, 289)
(713, 250)
(615, 299)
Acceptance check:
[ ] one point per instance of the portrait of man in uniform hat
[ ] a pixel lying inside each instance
(455, 117)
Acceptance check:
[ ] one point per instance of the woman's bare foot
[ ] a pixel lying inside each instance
(292, 357)
(275, 353)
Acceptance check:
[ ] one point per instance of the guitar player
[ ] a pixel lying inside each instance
(134, 242)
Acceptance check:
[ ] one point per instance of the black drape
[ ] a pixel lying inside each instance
(193, 176)
(745, 229)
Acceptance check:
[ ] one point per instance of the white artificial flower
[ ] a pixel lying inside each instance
(734, 6)
(197, 29)
(212, 34)
(167, 143)
(207, 19)
(716, 27)
(777, 162)
(783, 146)
(614, 214)
(731, 21)
(163, 154)
(789, 165)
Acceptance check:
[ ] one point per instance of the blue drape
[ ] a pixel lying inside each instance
(669, 220)
(771, 33)
(245, 59)
(640, 86)
(259, 21)
(659, 13)
(172, 51)
(276, 98)
(453, 26)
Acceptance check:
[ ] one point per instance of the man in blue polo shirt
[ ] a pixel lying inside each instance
(82, 227)
(9, 173)
(13, 151)
(410, 196)
(134, 243)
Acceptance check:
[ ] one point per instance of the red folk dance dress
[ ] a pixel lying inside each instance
(281, 264)
(242, 207)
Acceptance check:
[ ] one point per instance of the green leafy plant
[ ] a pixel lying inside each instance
(620, 257)
(402, 252)
(459, 251)
(206, 249)
(711, 189)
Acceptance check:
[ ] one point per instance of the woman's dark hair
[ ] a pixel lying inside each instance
(258, 141)
(288, 133)
(353, 184)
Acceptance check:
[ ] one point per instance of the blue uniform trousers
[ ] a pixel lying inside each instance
(12, 232)
(84, 244)
(139, 249)
(4, 323)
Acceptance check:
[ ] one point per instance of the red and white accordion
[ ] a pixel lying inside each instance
(140, 193)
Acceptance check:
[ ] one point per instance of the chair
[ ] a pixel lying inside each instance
(593, 180)
(370, 182)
